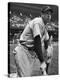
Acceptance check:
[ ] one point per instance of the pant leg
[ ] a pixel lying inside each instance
(22, 61)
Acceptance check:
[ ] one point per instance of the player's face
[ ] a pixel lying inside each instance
(47, 16)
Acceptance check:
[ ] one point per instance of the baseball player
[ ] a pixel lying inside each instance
(30, 44)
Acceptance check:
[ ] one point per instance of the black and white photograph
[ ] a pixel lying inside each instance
(33, 39)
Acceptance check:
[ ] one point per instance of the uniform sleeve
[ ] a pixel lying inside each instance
(36, 30)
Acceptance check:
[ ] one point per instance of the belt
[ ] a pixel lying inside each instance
(29, 48)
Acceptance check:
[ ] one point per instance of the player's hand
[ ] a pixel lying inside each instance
(43, 68)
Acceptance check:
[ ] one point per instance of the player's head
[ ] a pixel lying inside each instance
(46, 13)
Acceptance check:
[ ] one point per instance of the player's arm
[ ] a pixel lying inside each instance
(38, 47)
(37, 42)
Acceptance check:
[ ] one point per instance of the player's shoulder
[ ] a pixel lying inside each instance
(38, 20)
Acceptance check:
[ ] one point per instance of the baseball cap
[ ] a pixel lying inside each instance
(46, 9)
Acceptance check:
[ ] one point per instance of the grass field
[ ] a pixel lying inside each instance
(53, 68)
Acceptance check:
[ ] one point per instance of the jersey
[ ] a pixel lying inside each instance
(33, 28)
